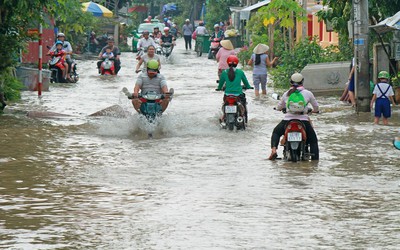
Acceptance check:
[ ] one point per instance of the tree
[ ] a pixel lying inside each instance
(17, 15)
(279, 13)
(218, 10)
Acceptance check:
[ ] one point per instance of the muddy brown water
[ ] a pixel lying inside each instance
(83, 182)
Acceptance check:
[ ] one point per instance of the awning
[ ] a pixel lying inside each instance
(138, 8)
(389, 24)
(245, 13)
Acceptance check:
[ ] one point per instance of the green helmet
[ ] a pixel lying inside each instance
(152, 64)
(384, 74)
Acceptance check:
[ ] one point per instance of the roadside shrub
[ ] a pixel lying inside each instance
(10, 86)
(304, 52)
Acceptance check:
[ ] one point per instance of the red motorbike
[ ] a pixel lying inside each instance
(295, 147)
(107, 67)
(57, 67)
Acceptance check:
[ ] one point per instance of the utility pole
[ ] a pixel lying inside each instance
(304, 23)
(361, 55)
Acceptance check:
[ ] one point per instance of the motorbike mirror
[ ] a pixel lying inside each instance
(65, 46)
(48, 46)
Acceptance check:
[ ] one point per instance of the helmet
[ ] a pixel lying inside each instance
(297, 78)
(146, 32)
(60, 34)
(232, 60)
(152, 65)
(187, 20)
(166, 29)
(59, 42)
(384, 74)
(165, 19)
(201, 23)
(110, 39)
(216, 25)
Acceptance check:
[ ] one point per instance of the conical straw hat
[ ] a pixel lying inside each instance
(260, 48)
(227, 44)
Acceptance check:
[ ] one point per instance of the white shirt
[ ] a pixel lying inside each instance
(385, 87)
(201, 30)
(144, 43)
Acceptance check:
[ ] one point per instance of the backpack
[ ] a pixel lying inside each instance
(296, 102)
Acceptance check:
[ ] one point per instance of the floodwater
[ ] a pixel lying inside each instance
(81, 182)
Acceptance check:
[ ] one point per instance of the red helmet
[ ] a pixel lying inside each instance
(232, 60)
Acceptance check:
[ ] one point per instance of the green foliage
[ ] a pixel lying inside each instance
(304, 52)
(218, 10)
(9, 85)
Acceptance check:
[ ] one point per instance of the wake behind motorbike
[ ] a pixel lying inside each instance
(107, 67)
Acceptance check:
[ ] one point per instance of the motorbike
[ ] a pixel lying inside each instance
(158, 47)
(166, 49)
(107, 67)
(141, 52)
(235, 113)
(73, 73)
(151, 103)
(214, 48)
(295, 147)
(56, 66)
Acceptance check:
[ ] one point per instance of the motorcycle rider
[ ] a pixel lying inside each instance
(218, 33)
(296, 81)
(167, 38)
(156, 33)
(151, 80)
(144, 42)
(233, 78)
(59, 51)
(66, 47)
(115, 50)
(151, 55)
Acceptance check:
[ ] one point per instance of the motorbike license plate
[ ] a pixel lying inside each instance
(230, 109)
(294, 136)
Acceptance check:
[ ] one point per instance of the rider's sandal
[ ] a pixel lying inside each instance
(273, 156)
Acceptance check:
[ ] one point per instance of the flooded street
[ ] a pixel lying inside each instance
(82, 182)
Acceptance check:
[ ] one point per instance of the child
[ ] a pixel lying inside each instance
(61, 52)
(108, 54)
(383, 95)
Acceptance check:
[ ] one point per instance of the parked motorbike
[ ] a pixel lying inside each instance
(107, 67)
(214, 48)
(295, 147)
(235, 113)
(166, 49)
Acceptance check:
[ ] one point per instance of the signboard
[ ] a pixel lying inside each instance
(359, 41)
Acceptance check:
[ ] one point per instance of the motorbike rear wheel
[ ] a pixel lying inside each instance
(294, 155)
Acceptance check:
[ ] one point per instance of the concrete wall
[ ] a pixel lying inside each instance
(326, 78)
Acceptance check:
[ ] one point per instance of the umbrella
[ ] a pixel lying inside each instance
(96, 9)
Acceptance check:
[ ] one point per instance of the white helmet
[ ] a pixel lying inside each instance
(187, 20)
(60, 34)
(297, 78)
(216, 26)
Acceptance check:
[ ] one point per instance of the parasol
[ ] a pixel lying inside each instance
(96, 9)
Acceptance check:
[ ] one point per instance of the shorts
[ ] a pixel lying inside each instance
(382, 107)
(351, 84)
(257, 79)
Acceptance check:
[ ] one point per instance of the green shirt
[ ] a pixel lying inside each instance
(234, 87)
